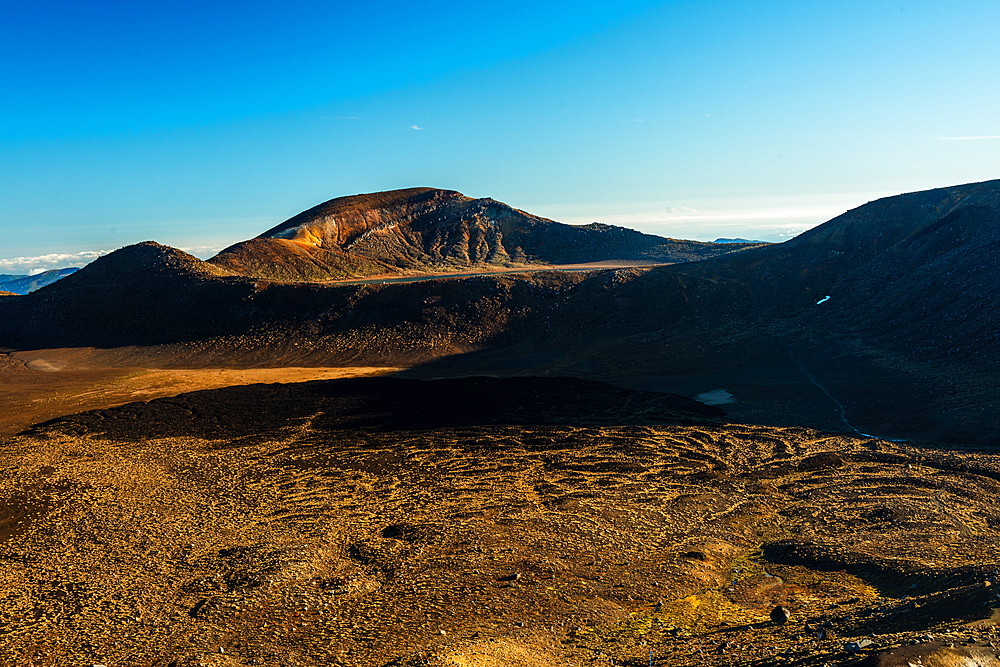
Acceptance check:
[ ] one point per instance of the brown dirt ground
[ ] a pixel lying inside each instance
(338, 525)
(44, 384)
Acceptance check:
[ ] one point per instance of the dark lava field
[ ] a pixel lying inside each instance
(760, 455)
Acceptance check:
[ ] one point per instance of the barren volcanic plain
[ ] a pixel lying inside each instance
(744, 455)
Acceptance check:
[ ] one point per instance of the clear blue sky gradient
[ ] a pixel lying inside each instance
(202, 124)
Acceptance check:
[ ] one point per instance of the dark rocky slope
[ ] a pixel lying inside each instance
(916, 271)
(139, 294)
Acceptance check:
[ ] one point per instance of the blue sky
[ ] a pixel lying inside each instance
(202, 124)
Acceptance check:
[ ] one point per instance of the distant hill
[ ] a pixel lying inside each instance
(737, 240)
(430, 230)
(23, 284)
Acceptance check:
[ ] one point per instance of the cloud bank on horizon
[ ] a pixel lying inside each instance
(774, 226)
(57, 260)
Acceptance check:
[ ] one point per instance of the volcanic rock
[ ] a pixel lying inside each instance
(424, 229)
(780, 614)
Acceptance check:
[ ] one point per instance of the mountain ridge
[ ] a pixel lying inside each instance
(910, 280)
(420, 230)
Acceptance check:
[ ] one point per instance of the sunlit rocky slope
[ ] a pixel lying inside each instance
(424, 229)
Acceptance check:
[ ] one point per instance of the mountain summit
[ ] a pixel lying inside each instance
(888, 307)
(428, 230)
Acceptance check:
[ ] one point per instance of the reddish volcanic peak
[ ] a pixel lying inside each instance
(335, 223)
(422, 230)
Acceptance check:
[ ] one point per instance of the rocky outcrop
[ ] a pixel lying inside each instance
(427, 230)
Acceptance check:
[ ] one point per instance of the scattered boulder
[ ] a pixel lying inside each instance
(780, 614)
(854, 647)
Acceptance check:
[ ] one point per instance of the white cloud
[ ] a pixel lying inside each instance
(414, 127)
(766, 224)
(56, 260)
(203, 251)
(980, 138)
(770, 217)
(738, 216)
